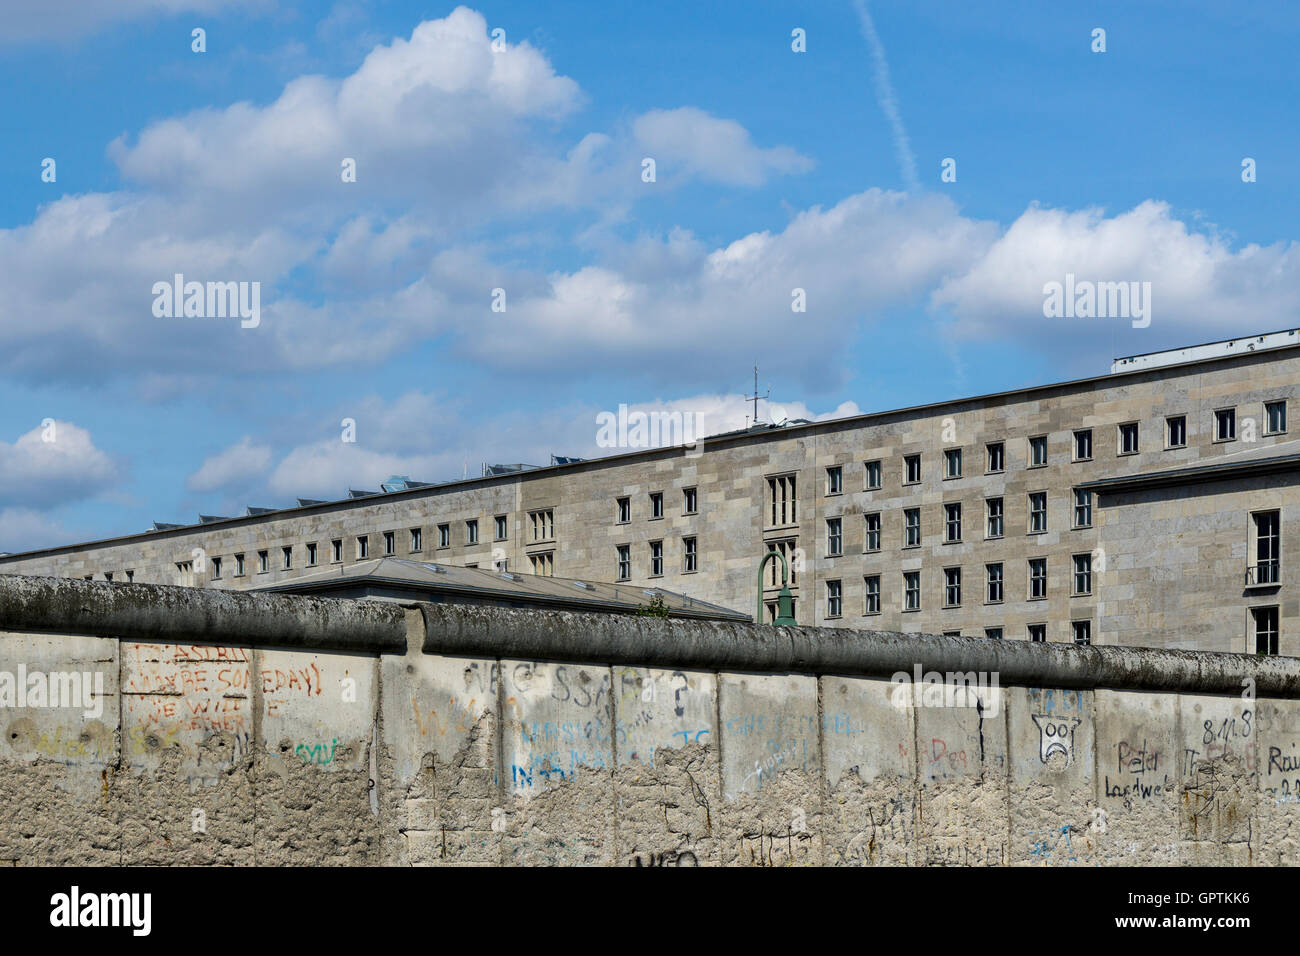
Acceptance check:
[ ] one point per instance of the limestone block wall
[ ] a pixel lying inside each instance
(237, 729)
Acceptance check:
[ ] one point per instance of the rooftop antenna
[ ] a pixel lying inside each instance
(755, 397)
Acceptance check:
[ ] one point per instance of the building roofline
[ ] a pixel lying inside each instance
(728, 438)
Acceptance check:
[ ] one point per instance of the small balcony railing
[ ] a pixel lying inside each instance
(1265, 572)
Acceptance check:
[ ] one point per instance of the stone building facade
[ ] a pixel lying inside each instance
(1148, 501)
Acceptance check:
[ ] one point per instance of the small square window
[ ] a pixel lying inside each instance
(1225, 424)
(1038, 451)
(834, 599)
(1037, 512)
(834, 537)
(1038, 633)
(993, 633)
(997, 457)
(913, 469)
(1176, 431)
(872, 523)
(1275, 417)
(1128, 438)
(952, 463)
(871, 585)
(1082, 632)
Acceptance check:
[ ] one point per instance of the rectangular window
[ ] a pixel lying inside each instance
(952, 463)
(1082, 508)
(108, 575)
(624, 510)
(1037, 511)
(390, 542)
(912, 528)
(263, 562)
(913, 470)
(1275, 417)
(336, 550)
(993, 633)
(1038, 633)
(656, 505)
(834, 537)
(997, 456)
(911, 590)
(834, 599)
(871, 586)
(1265, 621)
(1083, 444)
(1082, 632)
(1267, 548)
(787, 550)
(1083, 574)
(834, 480)
(994, 574)
(690, 559)
(1128, 438)
(1037, 578)
(873, 475)
(216, 571)
(542, 524)
(690, 504)
(501, 566)
(1176, 431)
(952, 521)
(363, 547)
(444, 536)
(286, 558)
(781, 498)
(952, 587)
(873, 531)
(624, 562)
(501, 527)
(471, 531)
(130, 575)
(313, 555)
(416, 540)
(1038, 451)
(993, 506)
(656, 559)
(543, 563)
(1225, 424)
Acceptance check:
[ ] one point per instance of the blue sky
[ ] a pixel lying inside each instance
(520, 168)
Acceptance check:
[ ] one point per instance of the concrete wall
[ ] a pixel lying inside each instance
(251, 729)
(732, 525)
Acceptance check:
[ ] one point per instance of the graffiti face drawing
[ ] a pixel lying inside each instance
(1055, 735)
